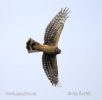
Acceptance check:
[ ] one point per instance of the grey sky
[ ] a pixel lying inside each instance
(79, 64)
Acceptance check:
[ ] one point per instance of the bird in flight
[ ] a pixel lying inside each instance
(50, 46)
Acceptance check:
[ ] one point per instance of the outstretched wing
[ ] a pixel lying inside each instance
(55, 27)
(50, 67)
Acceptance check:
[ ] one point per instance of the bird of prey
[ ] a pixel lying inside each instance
(50, 47)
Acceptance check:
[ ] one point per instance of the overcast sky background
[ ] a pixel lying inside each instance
(79, 64)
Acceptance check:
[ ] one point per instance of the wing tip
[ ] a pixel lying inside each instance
(54, 83)
(65, 11)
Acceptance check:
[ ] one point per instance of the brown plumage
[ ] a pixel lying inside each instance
(50, 47)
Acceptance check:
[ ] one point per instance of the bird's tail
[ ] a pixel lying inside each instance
(31, 46)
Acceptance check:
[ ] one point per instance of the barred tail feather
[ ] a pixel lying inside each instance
(31, 46)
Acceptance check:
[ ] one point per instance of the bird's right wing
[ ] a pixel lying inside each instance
(50, 67)
(55, 27)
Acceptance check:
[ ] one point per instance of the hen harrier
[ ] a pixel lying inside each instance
(50, 47)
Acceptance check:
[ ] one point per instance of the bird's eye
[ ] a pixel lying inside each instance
(59, 51)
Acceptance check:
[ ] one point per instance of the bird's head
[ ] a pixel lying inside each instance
(57, 50)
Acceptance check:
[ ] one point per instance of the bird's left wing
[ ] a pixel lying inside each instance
(50, 67)
(55, 27)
